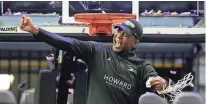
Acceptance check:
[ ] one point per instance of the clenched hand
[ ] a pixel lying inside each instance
(25, 24)
(158, 83)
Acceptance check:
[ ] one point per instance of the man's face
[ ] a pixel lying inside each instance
(122, 42)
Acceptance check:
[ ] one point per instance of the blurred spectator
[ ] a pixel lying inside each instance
(179, 7)
(41, 7)
(100, 6)
(60, 20)
(54, 4)
(8, 12)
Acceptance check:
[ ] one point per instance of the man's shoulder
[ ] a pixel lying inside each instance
(147, 62)
(143, 62)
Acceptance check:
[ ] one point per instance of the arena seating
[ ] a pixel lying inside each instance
(183, 98)
(7, 97)
(151, 98)
(188, 98)
(27, 97)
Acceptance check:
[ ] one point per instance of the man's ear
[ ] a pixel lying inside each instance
(136, 42)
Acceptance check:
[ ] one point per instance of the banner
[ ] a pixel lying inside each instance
(6, 29)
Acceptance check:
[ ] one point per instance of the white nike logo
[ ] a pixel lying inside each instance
(109, 59)
(131, 69)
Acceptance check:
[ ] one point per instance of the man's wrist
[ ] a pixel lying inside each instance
(34, 30)
(168, 81)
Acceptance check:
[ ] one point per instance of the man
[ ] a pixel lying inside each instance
(116, 75)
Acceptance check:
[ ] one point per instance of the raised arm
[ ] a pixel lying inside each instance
(75, 47)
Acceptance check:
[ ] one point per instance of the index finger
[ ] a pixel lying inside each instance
(155, 79)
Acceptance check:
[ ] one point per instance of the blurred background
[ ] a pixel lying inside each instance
(22, 58)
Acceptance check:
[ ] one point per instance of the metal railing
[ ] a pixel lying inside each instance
(24, 65)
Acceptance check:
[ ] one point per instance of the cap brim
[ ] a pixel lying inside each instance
(124, 28)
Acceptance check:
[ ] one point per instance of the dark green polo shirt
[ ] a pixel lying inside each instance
(112, 78)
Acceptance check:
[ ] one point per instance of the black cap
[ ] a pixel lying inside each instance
(131, 27)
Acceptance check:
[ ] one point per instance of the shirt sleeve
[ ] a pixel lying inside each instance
(81, 49)
(147, 72)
